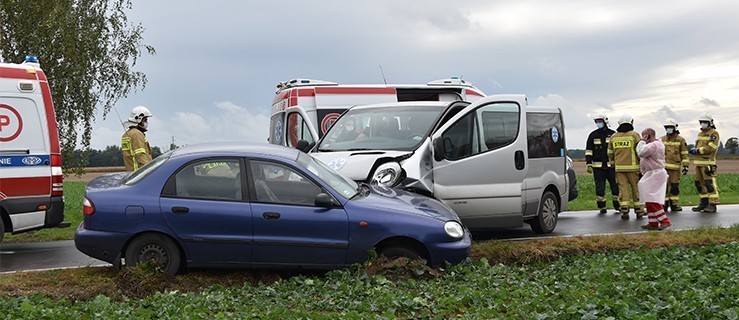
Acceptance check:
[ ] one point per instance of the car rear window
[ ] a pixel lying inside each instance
(142, 172)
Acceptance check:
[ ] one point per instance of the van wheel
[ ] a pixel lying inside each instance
(155, 248)
(546, 220)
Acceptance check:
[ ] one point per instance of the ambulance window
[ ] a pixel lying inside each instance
(297, 130)
(276, 128)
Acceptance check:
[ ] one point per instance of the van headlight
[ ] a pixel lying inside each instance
(387, 174)
(454, 229)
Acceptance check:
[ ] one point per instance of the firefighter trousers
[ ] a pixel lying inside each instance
(705, 182)
(601, 176)
(673, 187)
(625, 181)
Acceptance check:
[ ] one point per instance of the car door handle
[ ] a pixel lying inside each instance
(271, 215)
(180, 210)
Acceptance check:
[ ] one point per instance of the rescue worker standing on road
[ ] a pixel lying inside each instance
(135, 148)
(622, 153)
(676, 161)
(705, 151)
(596, 157)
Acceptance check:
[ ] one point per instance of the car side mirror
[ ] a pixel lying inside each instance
(438, 149)
(324, 200)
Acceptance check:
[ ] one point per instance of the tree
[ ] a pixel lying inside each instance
(87, 49)
(732, 144)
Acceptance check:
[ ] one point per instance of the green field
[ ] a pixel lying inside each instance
(663, 283)
(73, 191)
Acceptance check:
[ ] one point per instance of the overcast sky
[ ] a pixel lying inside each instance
(218, 62)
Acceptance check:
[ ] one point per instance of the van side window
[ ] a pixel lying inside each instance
(488, 128)
(277, 128)
(545, 135)
(297, 130)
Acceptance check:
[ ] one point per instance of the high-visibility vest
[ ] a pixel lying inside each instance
(706, 147)
(676, 152)
(622, 151)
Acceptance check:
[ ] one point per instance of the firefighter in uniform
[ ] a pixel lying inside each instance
(705, 151)
(676, 161)
(596, 157)
(135, 148)
(622, 153)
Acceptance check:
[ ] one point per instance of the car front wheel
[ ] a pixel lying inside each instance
(398, 252)
(546, 220)
(154, 248)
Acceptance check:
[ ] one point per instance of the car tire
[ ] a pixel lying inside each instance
(546, 220)
(397, 251)
(156, 248)
(2, 228)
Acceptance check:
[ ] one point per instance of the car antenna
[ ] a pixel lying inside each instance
(383, 75)
(119, 118)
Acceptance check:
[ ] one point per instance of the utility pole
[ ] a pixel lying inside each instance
(172, 146)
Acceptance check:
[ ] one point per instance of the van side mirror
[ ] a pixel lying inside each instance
(324, 200)
(438, 149)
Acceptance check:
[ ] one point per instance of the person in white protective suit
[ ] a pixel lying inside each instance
(653, 183)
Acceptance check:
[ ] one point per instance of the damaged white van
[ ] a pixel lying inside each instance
(497, 161)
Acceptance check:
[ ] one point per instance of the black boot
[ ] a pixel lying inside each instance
(710, 208)
(702, 205)
(602, 206)
(617, 206)
(675, 206)
(666, 206)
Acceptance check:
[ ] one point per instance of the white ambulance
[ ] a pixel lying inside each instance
(305, 109)
(31, 189)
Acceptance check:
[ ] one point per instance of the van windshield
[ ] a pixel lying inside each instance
(382, 128)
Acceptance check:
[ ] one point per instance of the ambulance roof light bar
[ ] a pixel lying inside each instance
(302, 83)
(32, 60)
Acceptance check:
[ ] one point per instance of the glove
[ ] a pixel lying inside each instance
(590, 168)
(693, 151)
(685, 170)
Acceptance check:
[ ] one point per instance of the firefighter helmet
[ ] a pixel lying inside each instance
(705, 117)
(138, 113)
(600, 116)
(670, 122)
(626, 119)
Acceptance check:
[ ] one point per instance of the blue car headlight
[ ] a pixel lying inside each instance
(454, 229)
(387, 174)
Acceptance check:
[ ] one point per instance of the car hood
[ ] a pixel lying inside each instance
(107, 181)
(356, 165)
(404, 202)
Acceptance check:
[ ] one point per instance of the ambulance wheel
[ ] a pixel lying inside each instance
(546, 220)
(154, 248)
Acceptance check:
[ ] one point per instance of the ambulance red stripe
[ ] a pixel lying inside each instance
(31, 186)
(50, 118)
(339, 90)
(16, 73)
(474, 93)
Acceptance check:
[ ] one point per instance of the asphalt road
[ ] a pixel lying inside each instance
(63, 254)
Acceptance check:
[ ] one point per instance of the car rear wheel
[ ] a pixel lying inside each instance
(400, 252)
(154, 248)
(546, 220)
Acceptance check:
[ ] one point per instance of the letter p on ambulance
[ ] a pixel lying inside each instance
(4, 121)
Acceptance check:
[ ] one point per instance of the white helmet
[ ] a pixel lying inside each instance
(670, 122)
(705, 117)
(138, 113)
(600, 116)
(626, 119)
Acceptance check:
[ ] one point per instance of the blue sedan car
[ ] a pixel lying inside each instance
(258, 206)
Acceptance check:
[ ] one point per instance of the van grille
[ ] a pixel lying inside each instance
(25, 86)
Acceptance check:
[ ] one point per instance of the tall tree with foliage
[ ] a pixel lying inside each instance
(87, 49)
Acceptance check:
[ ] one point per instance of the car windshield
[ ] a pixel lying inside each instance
(142, 172)
(381, 128)
(344, 186)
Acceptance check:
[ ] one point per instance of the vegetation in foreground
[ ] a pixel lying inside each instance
(663, 275)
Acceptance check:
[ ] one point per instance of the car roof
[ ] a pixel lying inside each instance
(243, 149)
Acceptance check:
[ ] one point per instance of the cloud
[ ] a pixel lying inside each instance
(709, 102)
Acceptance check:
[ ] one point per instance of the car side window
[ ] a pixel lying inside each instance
(297, 130)
(213, 179)
(487, 128)
(280, 184)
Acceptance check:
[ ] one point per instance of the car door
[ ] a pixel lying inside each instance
(288, 227)
(480, 162)
(203, 202)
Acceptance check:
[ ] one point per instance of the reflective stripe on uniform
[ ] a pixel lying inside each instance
(704, 162)
(139, 150)
(672, 166)
(588, 152)
(126, 145)
(707, 138)
(627, 166)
